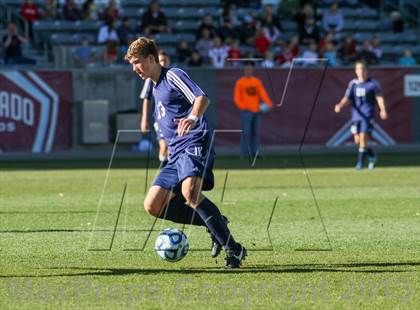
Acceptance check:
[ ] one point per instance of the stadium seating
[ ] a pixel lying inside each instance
(132, 12)
(70, 39)
(184, 25)
(135, 3)
(185, 16)
(367, 25)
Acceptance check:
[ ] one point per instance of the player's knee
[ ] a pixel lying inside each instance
(191, 195)
(151, 207)
(188, 195)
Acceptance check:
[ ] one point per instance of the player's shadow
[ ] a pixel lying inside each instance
(285, 268)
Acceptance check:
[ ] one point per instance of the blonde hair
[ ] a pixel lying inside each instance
(142, 47)
(361, 62)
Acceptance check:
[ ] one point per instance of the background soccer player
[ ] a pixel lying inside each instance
(362, 93)
(249, 92)
(176, 193)
(147, 97)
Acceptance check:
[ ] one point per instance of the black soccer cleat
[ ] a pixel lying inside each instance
(234, 257)
(216, 247)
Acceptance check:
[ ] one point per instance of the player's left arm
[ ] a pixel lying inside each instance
(383, 114)
(199, 108)
(263, 94)
(380, 101)
(193, 94)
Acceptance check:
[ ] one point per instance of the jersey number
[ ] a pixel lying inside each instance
(360, 92)
(160, 110)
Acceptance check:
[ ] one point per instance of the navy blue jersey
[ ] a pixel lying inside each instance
(363, 98)
(174, 95)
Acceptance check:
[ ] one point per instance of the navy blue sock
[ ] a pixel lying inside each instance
(177, 211)
(362, 155)
(369, 152)
(211, 215)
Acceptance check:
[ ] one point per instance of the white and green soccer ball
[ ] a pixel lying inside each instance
(171, 245)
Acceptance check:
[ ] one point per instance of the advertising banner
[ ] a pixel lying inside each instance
(35, 111)
(304, 107)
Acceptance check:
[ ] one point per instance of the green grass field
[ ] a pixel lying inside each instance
(49, 257)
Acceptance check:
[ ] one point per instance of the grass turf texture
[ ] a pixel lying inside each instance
(372, 218)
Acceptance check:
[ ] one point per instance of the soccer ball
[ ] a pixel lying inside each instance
(171, 245)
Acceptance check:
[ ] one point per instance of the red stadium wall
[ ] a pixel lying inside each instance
(35, 110)
(285, 125)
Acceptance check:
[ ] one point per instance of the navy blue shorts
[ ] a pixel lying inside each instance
(359, 126)
(193, 161)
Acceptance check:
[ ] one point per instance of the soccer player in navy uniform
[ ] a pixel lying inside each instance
(176, 193)
(363, 93)
(147, 96)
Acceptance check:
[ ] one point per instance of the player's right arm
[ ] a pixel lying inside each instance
(144, 116)
(341, 104)
(346, 100)
(146, 95)
(237, 95)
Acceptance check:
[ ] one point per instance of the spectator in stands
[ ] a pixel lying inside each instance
(289, 8)
(230, 13)
(218, 53)
(261, 43)
(407, 60)
(333, 20)
(234, 51)
(372, 3)
(207, 23)
(270, 23)
(12, 42)
(347, 51)
(50, 9)
(107, 33)
(125, 33)
(310, 55)
(89, 10)
(111, 53)
(195, 60)
(376, 47)
(309, 32)
(250, 54)
(31, 13)
(248, 30)
(313, 3)
(183, 52)
(154, 20)
(71, 11)
(228, 31)
(268, 61)
(289, 51)
(204, 45)
(328, 38)
(367, 55)
(83, 54)
(111, 12)
(330, 52)
(307, 12)
(397, 24)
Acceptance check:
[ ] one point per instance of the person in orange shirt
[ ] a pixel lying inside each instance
(251, 99)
